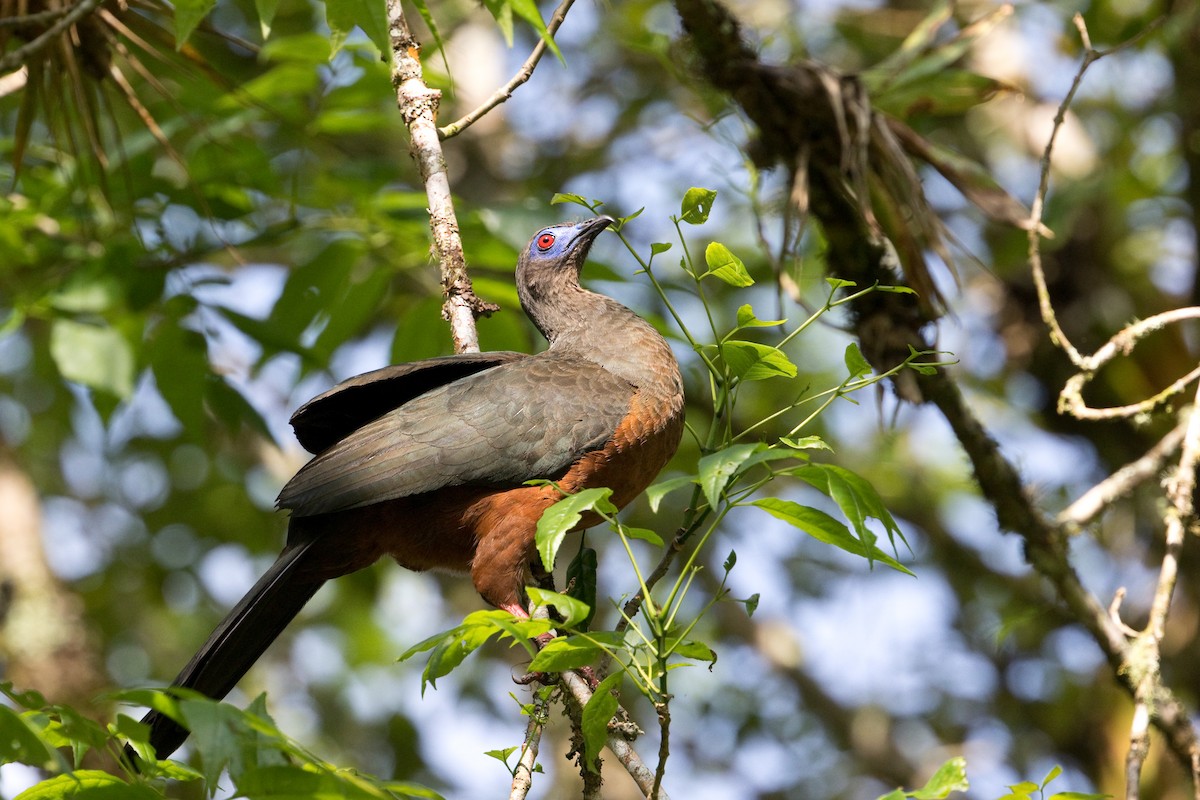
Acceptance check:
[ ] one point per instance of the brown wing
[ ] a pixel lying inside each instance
(530, 418)
(335, 414)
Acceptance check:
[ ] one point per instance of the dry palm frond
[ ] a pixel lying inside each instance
(73, 61)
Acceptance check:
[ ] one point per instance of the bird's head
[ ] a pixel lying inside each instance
(566, 245)
(548, 272)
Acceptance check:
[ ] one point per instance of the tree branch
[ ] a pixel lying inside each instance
(523, 74)
(419, 104)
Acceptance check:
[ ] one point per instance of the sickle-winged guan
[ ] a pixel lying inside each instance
(426, 461)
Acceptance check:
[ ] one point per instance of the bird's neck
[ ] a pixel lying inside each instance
(588, 325)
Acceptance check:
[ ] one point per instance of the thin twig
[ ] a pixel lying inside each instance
(39, 18)
(418, 104)
(523, 74)
(1089, 505)
(1147, 646)
(19, 56)
(579, 691)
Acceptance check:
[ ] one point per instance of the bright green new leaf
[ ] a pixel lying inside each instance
(22, 743)
(643, 534)
(564, 515)
(96, 356)
(697, 651)
(88, 784)
(723, 264)
(950, 777)
(566, 653)
(188, 14)
(696, 205)
(751, 361)
(501, 755)
(568, 197)
(596, 715)
(840, 283)
(747, 319)
(528, 11)
(573, 610)
(659, 247)
(856, 364)
(806, 443)
(717, 469)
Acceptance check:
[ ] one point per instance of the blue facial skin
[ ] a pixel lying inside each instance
(558, 240)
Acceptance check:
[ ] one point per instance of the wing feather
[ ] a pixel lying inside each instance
(525, 419)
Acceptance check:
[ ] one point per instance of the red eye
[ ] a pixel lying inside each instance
(545, 240)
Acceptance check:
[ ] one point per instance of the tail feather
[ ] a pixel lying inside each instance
(240, 639)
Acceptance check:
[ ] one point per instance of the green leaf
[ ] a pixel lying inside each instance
(840, 283)
(696, 205)
(659, 247)
(266, 14)
(573, 611)
(293, 782)
(723, 264)
(948, 93)
(88, 784)
(568, 197)
(566, 653)
(232, 409)
(643, 534)
(854, 494)
(950, 777)
(751, 361)
(21, 742)
(747, 319)
(501, 755)
(343, 16)
(717, 470)
(564, 515)
(806, 443)
(697, 651)
(188, 14)
(581, 582)
(179, 360)
(856, 365)
(98, 357)
(596, 715)
(528, 11)
(658, 491)
(751, 604)
(825, 528)
(448, 648)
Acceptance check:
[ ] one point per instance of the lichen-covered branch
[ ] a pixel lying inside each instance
(419, 105)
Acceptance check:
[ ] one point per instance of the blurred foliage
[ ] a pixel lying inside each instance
(162, 308)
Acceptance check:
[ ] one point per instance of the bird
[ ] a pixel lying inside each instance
(429, 462)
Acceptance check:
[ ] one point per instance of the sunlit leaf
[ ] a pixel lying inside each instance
(97, 356)
(725, 266)
(557, 520)
(696, 205)
(751, 361)
(88, 784)
(596, 715)
(573, 611)
(824, 528)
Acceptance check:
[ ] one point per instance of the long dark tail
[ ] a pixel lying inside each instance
(241, 638)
